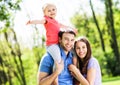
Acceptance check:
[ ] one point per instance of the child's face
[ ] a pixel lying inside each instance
(50, 11)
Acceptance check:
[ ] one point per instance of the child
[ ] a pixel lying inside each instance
(52, 28)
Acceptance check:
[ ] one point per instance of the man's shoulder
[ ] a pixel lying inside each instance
(46, 63)
(46, 57)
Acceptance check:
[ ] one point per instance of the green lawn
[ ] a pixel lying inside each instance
(116, 82)
(111, 81)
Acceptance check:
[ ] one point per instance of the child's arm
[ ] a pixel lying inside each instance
(63, 26)
(68, 28)
(36, 21)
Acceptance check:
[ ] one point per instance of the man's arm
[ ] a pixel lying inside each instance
(46, 79)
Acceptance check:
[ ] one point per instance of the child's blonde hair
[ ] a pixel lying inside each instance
(46, 5)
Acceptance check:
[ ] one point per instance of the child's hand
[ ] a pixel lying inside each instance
(28, 22)
(75, 30)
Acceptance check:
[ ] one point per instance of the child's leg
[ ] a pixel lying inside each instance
(54, 51)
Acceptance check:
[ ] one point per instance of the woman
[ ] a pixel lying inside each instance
(87, 70)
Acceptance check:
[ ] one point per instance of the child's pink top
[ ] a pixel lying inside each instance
(52, 28)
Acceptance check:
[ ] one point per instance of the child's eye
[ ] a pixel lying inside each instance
(49, 10)
(53, 9)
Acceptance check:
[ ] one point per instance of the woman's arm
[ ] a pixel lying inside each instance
(90, 75)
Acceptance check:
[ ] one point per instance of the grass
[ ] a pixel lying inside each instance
(111, 81)
(116, 82)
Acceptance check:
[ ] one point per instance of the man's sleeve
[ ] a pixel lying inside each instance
(46, 64)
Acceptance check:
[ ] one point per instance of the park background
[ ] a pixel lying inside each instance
(22, 46)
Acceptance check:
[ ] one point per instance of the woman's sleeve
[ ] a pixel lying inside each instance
(93, 63)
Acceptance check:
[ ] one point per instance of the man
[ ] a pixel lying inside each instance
(45, 74)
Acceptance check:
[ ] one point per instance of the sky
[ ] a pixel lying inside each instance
(65, 10)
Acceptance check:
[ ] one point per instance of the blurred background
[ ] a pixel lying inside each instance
(22, 46)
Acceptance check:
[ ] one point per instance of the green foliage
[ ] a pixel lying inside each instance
(7, 10)
(16, 66)
(87, 27)
(30, 66)
(3, 30)
(38, 53)
(31, 60)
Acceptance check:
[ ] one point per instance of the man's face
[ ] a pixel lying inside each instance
(67, 41)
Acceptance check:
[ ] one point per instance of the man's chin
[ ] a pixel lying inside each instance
(68, 49)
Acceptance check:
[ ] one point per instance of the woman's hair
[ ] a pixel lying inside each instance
(82, 63)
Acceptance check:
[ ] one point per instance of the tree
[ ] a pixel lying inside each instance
(7, 10)
(10, 54)
(107, 31)
(98, 27)
(111, 32)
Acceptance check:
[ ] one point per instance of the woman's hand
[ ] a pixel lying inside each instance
(74, 70)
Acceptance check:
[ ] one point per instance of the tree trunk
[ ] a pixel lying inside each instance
(98, 27)
(111, 32)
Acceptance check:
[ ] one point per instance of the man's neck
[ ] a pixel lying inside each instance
(66, 52)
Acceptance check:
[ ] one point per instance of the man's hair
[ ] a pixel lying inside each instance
(60, 34)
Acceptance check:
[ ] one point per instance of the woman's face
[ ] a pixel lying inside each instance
(81, 49)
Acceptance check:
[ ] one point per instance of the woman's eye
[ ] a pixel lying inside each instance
(77, 48)
(83, 47)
